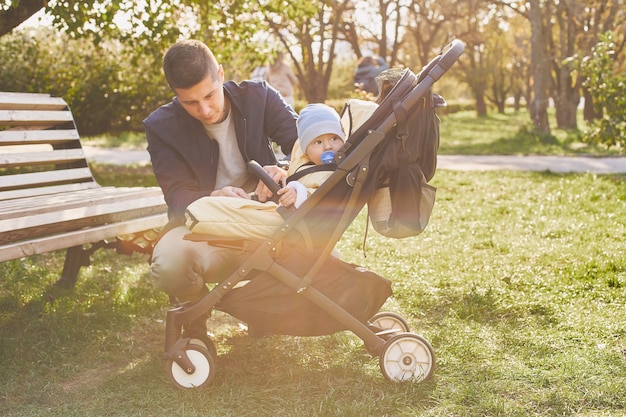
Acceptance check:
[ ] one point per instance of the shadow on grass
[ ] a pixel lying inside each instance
(332, 375)
(97, 349)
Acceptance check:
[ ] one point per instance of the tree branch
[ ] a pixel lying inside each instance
(15, 15)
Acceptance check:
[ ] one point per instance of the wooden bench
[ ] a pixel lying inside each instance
(49, 199)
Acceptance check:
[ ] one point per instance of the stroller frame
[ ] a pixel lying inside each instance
(191, 361)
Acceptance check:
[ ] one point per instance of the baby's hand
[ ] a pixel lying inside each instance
(287, 196)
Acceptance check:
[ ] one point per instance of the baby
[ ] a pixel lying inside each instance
(320, 135)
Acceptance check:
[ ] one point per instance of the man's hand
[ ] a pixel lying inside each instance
(279, 176)
(229, 191)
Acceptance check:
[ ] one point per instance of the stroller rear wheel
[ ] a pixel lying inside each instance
(407, 357)
(390, 321)
(201, 369)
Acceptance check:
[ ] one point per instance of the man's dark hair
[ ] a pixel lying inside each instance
(188, 62)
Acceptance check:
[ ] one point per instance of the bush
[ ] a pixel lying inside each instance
(108, 88)
(608, 89)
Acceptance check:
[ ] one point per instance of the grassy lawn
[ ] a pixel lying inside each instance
(519, 283)
(511, 133)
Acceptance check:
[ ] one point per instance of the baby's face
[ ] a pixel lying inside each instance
(321, 144)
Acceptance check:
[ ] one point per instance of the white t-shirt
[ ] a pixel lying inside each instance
(231, 168)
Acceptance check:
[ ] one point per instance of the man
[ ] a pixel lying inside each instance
(199, 145)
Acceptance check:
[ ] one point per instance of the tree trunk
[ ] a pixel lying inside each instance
(481, 106)
(567, 96)
(315, 91)
(566, 100)
(499, 94)
(589, 112)
(517, 100)
(540, 68)
(566, 109)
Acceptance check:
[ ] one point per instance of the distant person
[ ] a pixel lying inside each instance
(258, 74)
(280, 76)
(357, 111)
(366, 71)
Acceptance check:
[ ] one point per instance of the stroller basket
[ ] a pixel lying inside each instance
(309, 292)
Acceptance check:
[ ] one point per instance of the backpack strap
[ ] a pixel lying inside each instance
(347, 109)
(402, 131)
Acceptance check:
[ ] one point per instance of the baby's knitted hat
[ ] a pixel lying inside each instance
(315, 120)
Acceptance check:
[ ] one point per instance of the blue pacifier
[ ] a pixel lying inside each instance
(328, 157)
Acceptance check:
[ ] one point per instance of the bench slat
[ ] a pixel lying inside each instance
(29, 137)
(84, 223)
(35, 179)
(34, 117)
(43, 191)
(30, 101)
(16, 229)
(40, 158)
(29, 206)
(43, 210)
(16, 250)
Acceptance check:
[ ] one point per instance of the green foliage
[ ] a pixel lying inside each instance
(110, 74)
(607, 86)
(229, 27)
(110, 87)
(107, 87)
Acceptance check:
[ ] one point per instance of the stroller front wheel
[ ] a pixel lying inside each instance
(206, 343)
(201, 372)
(407, 357)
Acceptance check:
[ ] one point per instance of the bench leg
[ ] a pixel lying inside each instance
(75, 258)
(78, 256)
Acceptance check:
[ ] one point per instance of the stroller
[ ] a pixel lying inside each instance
(307, 291)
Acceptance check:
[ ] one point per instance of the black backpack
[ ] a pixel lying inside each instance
(404, 161)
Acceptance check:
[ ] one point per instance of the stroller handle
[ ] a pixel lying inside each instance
(450, 53)
(255, 168)
(442, 62)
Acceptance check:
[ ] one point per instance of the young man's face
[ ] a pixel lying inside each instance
(321, 144)
(205, 100)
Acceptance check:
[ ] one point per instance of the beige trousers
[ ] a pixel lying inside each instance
(181, 267)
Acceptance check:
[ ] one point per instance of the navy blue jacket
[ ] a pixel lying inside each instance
(185, 161)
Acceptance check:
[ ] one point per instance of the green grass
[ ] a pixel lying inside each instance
(518, 283)
(511, 133)
(134, 176)
(126, 140)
